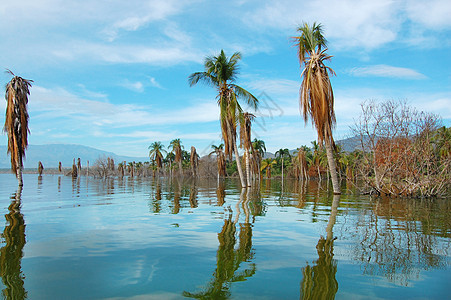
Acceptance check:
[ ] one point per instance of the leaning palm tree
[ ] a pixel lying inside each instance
(245, 141)
(155, 153)
(176, 146)
(16, 121)
(221, 72)
(316, 94)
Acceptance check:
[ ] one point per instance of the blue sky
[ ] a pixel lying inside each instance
(113, 74)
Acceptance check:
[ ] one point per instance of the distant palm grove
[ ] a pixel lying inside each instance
(398, 151)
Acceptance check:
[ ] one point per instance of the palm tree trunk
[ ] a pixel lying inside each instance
(332, 168)
(238, 164)
(282, 171)
(248, 168)
(19, 171)
(319, 173)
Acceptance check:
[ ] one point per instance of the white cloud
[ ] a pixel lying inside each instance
(349, 23)
(134, 86)
(47, 103)
(363, 24)
(154, 83)
(433, 14)
(386, 71)
(162, 55)
(276, 86)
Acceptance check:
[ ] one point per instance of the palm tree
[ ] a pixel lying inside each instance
(245, 140)
(155, 153)
(316, 94)
(170, 157)
(301, 163)
(259, 150)
(221, 72)
(176, 146)
(16, 121)
(220, 159)
(281, 153)
(267, 165)
(194, 160)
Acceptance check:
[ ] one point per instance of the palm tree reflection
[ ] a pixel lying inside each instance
(319, 280)
(12, 253)
(229, 259)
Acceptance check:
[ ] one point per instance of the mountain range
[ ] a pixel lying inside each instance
(50, 155)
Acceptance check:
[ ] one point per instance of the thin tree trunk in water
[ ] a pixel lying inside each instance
(332, 168)
(19, 171)
(319, 174)
(248, 169)
(237, 157)
(282, 171)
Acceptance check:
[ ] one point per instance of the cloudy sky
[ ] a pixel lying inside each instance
(112, 74)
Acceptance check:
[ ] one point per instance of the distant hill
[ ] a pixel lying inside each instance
(350, 144)
(51, 155)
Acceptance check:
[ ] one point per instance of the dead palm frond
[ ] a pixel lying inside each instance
(16, 121)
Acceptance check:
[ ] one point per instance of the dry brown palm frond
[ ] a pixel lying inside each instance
(245, 130)
(16, 121)
(316, 96)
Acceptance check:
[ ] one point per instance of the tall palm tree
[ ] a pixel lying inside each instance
(156, 153)
(220, 157)
(281, 154)
(176, 146)
(316, 94)
(245, 141)
(16, 121)
(221, 72)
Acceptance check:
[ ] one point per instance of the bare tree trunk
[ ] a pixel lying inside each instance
(238, 164)
(282, 171)
(332, 168)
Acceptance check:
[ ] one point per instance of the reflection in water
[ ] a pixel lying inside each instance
(229, 259)
(402, 237)
(220, 193)
(156, 198)
(12, 253)
(193, 196)
(318, 281)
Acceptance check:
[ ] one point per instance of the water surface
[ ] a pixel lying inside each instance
(169, 239)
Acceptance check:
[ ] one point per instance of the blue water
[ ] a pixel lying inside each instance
(170, 239)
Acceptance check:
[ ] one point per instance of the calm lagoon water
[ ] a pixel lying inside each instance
(170, 239)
